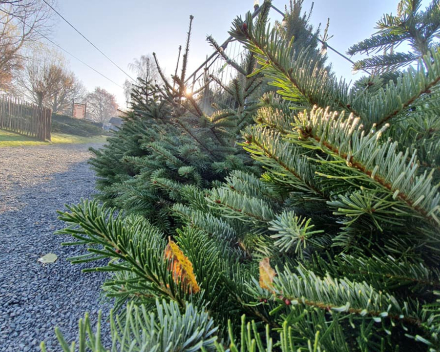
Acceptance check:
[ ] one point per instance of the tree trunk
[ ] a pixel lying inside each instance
(40, 96)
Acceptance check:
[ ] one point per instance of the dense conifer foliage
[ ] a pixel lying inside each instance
(412, 25)
(330, 241)
(168, 145)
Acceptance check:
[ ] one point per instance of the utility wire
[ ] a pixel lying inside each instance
(79, 60)
(50, 40)
(82, 35)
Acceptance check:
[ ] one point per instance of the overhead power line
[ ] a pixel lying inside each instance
(80, 60)
(84, 63)
(82, 35)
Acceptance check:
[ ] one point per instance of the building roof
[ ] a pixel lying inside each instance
(117, 121)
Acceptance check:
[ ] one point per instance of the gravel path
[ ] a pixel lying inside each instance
(35, 182)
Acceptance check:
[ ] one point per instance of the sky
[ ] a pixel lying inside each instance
(125, 30)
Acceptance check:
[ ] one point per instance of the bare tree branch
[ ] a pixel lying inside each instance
(21, 22)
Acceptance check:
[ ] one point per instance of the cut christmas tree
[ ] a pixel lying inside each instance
(313, 226)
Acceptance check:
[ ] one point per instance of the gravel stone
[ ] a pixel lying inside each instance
(35, 182)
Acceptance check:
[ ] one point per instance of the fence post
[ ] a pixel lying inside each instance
(47, 123)
(9, 114)
(40, 123)
(1, 113)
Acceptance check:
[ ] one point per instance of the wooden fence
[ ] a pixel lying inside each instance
(24, 118)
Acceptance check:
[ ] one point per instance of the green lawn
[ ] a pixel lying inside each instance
(11, 139)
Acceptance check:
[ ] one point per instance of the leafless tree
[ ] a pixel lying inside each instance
(128, 86)
(145, 70)
(46, 80)
(71, 89)
(101, 105)
(21, 22)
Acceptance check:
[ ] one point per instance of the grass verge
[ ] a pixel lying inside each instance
(11, 139)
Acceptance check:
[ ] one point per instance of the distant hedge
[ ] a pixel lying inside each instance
(69, 125)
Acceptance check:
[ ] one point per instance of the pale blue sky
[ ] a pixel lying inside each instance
(127, 29)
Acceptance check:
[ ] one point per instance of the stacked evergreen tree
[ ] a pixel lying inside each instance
(168, 144)
(335, 247)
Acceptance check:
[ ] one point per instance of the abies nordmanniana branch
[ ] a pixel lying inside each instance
(300, 213)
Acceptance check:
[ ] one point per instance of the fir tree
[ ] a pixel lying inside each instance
(168, 143)
(420, 29)
(335, 247)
